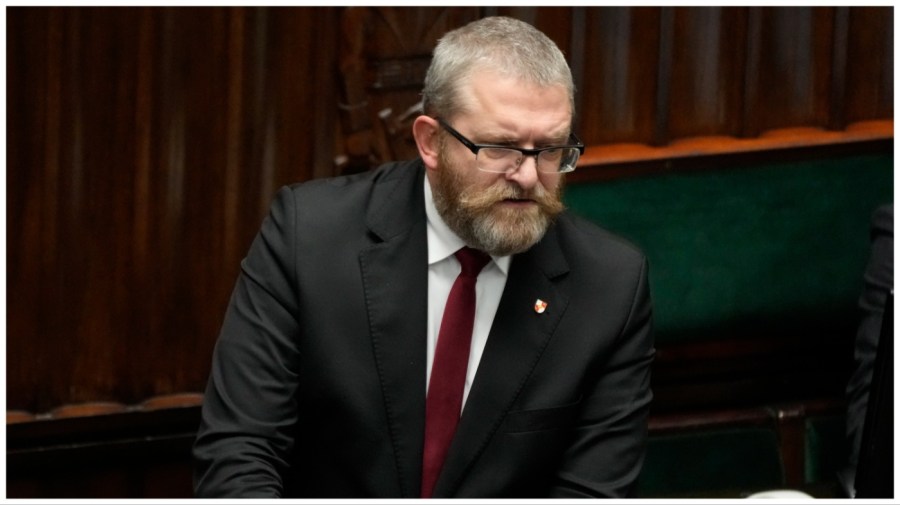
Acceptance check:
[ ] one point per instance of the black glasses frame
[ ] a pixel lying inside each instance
(472, 146)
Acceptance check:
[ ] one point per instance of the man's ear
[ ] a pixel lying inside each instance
(425, 131)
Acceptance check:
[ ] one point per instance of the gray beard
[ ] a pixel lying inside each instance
(474, 217)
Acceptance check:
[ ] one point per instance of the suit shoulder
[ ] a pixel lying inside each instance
(340, 191)
(389, 172)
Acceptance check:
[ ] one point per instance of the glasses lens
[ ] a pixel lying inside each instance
(551, 161)
(558, 160)
(496, 159)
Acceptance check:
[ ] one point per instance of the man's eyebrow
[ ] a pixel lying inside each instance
(494, 137)
(562, 138)
(557, 139)
(505, 138)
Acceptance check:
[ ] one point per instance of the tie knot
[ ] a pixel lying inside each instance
(471, 261)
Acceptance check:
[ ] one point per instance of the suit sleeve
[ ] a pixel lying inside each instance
(878, 278)
(607, 451)
(249, 408)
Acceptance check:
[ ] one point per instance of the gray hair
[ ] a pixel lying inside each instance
(508, 46)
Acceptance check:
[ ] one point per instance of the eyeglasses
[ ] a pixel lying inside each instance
(507, 159)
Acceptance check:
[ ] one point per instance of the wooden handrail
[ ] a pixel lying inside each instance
(611, 161)
(92, 409)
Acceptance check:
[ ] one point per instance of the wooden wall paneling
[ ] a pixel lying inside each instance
(397, 50)
(870, 64)
(707, 81)
(391, 47)
(750, 96)
(238, 51)
(265, 124)
(191, 192)
(356, 148)
(762, 66)
(76, 260)
(821, 50)
(620, 75)
(792, 84)
(146, 146)
(576, 58)
(663, 77)
(302, 95)
(114, 58)
(837, 116)
(28, 61)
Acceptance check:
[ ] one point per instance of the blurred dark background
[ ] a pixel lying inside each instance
(743, 149)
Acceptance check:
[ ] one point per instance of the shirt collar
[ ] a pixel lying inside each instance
(442, 242)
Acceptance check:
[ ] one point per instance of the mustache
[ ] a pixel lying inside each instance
(549, 202)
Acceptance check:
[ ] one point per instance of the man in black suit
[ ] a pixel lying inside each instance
(324, 374)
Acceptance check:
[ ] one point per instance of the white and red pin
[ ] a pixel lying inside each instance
(540, 306)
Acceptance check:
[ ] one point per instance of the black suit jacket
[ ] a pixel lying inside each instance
(879, 280)
(318, 378)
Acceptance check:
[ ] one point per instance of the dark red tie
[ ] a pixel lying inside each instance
(448, 371)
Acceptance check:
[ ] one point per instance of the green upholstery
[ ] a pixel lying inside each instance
(776, 250)
(724, 462)
(764, 246)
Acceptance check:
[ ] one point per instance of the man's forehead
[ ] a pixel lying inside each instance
(484, 101)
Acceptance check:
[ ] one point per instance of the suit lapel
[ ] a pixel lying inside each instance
(395, 276)
(517, 339)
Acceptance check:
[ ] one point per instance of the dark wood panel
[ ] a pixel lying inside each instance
(870, 64)
(620, 75)
(709, 60)
(302, 97)
(148, 145)
(790, 68)
(383, 55)
(24, 159)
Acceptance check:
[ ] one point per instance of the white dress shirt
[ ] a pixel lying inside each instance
(443, 268)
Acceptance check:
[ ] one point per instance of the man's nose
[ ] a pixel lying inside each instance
(526, 175)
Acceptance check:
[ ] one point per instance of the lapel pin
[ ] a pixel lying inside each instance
(540, 306)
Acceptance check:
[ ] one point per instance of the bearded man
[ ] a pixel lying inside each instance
(440, 327)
